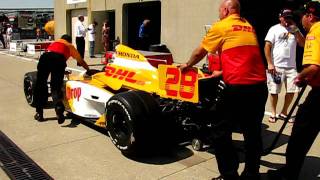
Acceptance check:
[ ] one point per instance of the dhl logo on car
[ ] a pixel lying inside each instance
(120, 74)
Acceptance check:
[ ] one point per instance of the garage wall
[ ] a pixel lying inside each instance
(182, 26)
(182, 22)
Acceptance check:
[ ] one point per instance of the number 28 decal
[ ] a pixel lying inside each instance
(179, 85)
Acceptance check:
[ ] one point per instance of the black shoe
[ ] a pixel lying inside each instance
(250, 177)
(226, 178)
(39, 117)
(92, 57)
(245, 175)
(218, 178)
(61, 118)
(275, 175)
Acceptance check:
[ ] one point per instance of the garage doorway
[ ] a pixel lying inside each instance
(100, 17)
(264, 14)
(133, 16)
(73, 19)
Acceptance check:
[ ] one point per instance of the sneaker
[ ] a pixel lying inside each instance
(92, 56)
(39, 117)
(60, 118)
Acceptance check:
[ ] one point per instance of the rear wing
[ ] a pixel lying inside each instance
(179, 85)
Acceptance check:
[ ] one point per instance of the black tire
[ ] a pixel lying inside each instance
(29, 83)
(133, 122)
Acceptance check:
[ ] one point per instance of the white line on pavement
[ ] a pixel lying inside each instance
(36, 61)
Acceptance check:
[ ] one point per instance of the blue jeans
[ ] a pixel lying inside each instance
(91, 50)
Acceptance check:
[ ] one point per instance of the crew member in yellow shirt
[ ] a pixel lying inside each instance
(307, 124)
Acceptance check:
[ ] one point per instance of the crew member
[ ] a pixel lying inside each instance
(54, 62)
(80, 35)
(307, 124)
(246, 93)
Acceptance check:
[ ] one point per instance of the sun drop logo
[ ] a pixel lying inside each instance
(73, 93)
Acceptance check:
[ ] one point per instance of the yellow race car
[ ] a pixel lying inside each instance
(144, 102)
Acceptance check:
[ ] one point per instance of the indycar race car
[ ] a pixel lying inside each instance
(142, 101)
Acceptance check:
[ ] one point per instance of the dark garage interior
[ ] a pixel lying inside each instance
(264, 14)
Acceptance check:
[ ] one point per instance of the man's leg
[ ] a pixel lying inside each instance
(221, 136)
(304, 132)
(80, 47)
(287, 101)
(253, 108)
(41, 88)
(273, 102)
(226, 156)
(91, 52)
(57, 75)
(2, 41)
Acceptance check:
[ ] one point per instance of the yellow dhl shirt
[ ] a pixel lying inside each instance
(311, 54)
(235, 39)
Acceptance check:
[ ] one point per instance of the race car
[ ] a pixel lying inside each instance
(142, 101)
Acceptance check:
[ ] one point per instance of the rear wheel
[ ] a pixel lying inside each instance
(29, 83)
(133, 122)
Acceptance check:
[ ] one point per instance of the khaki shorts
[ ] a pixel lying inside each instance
(287, 78)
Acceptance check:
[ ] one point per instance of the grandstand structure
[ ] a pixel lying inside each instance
(25, 21)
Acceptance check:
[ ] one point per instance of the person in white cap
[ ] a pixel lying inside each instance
(280, 52)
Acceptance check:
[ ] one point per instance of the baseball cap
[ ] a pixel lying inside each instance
(286, 13)
(313, 8)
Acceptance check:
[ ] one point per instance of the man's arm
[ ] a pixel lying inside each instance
(196, 56)
(75, 54)
(267, 53)
(299, 37)
(308, 73)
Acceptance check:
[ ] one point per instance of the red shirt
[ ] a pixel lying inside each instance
(65, 48)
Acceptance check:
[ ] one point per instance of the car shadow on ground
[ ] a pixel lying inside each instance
(158, 157)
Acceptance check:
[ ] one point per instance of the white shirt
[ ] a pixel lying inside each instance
(9, 31)
(91, 32)
(284, 45)
(80, 29)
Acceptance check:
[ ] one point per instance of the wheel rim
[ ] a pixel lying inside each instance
(28, 90)
(120, 127)
(196, 144)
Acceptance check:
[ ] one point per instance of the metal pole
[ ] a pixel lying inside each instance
(274, 142)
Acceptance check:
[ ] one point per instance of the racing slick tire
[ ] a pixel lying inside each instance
(133, 122)
(29, 83)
